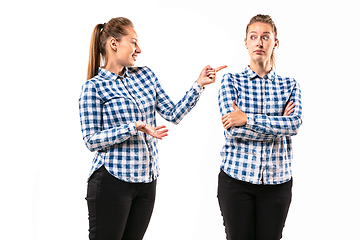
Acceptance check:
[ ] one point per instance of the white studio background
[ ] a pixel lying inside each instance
(45, 164)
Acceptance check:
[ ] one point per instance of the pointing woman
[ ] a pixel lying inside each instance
(117, 112)
(260, 112)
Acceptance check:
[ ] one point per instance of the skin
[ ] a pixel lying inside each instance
(123, 53)
(260, 42)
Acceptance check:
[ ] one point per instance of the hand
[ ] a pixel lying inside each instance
(208, 75)
(235, 118)
(289, 109)
(156, 132)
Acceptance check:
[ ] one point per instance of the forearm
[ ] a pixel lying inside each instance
(248, 134)
(176, 112)
(274, 125)
(103, 139)
(279, 125)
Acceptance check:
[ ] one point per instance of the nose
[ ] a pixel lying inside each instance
(137, 50)
(260, 42)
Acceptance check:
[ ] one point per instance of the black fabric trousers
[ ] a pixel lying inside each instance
(118, 210)
(253, 212)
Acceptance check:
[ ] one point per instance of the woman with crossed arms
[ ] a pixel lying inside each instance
(260, 112)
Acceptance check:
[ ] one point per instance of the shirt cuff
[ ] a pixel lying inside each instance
(132, 129)
(197, 88)
(250, 121)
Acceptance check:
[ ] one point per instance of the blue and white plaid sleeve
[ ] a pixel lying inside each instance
(176, 112)
(227, 94)
(279, 125)
(95, 138)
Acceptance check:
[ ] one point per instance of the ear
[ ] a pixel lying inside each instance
(113, 44)
(276, 43)
(245, 43)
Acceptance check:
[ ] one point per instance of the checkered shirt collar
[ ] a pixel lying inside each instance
(110, 75)
(252, 75)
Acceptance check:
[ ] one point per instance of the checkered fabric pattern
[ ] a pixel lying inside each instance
(261, 151)
(110, 105)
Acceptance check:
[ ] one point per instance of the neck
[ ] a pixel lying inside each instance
(261, 68)
(114, 68)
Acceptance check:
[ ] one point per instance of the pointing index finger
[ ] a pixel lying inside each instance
(220, 68)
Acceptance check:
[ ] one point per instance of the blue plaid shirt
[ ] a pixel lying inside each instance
(109, 107)
(261, 151)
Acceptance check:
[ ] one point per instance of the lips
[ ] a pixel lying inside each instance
(259, 52)
(134, 57)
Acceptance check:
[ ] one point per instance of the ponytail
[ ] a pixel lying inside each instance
(94, 53)
(114, 28)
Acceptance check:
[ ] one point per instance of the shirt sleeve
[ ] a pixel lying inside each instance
(95, 138)
(227, 94)
(176, 112)
(278, 125)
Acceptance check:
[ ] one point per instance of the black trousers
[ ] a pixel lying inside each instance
(118, 210)
(253, 212)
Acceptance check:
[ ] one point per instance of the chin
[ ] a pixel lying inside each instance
(259, 58)
(131, 64)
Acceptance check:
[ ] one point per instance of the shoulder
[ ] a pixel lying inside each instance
(141, 72)
(92, 82)
(288, 83)
(285, 80)
(234, 77)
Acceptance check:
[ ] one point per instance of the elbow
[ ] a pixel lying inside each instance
(294, 132)
(90, 145)
(91, 149)
(297, 127)
(174, 119)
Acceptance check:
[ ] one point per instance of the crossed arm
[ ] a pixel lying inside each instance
(239, 118)
(258, 127)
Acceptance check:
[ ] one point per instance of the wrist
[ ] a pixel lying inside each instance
(245, 119)
(199, 83)
(137, 125)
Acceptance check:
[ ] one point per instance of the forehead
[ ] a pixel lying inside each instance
(131, 33)
(260, 27)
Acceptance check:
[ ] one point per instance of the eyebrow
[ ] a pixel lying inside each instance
(256, 32)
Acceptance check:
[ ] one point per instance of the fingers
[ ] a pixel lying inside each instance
(157, 132)
(211, 72)
(160, 127)
(220, 68)
(234, 106)
(289, 109)
(208, 75)
(160, 132)
(227, 121)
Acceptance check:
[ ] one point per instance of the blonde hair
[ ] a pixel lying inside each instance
(115, 28)
(264, 19)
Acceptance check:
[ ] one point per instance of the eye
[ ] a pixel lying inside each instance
(266, 38)
(252, 37)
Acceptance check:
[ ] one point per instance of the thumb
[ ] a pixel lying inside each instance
(234, 106)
